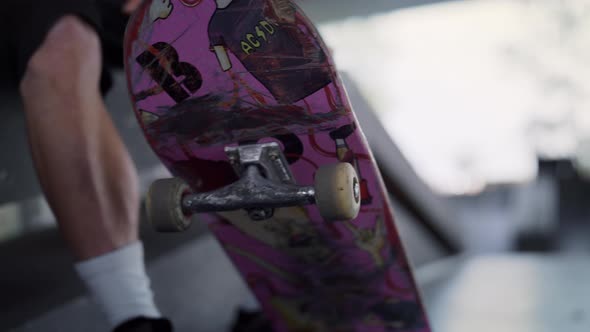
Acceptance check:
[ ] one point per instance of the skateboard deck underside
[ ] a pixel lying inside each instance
(203, 76)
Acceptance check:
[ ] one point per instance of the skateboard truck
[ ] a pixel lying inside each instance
(265, 183)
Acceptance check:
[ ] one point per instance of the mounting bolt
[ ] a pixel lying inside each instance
(260, 214)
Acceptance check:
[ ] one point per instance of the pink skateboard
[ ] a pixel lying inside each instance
(241, 101)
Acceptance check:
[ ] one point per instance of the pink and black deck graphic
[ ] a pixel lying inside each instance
(205, 74)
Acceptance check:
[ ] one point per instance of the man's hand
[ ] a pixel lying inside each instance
(130, 6)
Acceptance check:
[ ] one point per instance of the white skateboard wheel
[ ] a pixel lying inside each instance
(337, 191)
(164, 205)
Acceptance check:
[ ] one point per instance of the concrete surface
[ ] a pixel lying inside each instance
(197, 287)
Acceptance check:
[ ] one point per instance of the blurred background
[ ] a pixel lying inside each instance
(478, 114)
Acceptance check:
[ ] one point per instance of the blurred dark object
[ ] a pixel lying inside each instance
(535, 241)
(565, 213)
(142, 324)
(114, 23)
(251, 321)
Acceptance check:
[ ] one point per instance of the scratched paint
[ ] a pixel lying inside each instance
(206, 74)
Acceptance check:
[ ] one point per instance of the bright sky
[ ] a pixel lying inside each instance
(471, 90)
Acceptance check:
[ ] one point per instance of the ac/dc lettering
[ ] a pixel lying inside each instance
(253, 41)
(162, 63)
